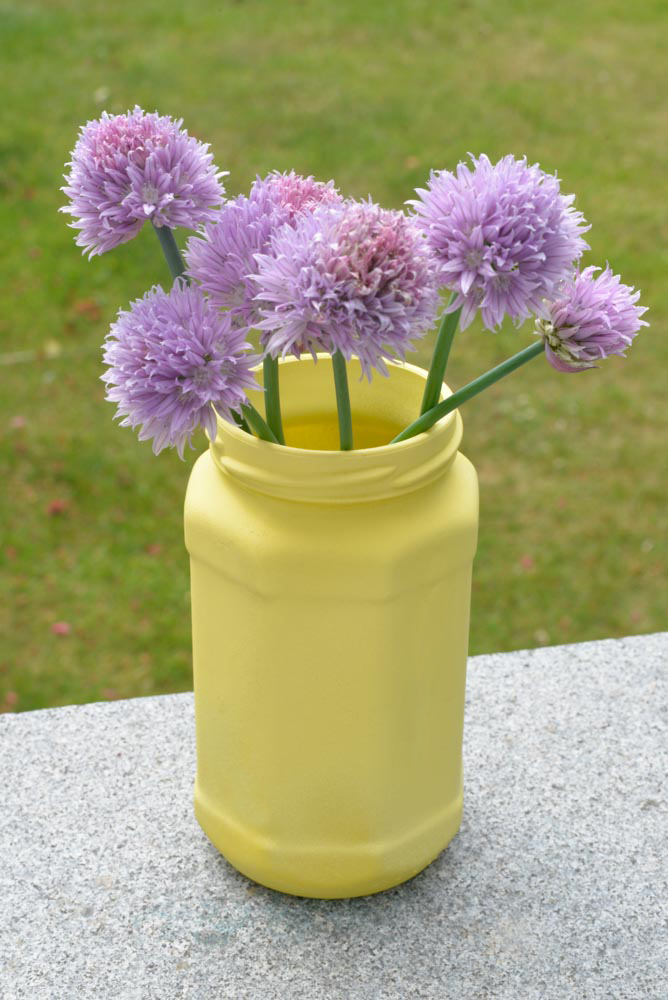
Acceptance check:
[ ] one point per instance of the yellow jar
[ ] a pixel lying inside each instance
(330, 608)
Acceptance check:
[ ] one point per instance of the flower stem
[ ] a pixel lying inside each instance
(439, 361)
(272, 397)
(258, 423)
(171, 251)
(343, 401)
(428, 419)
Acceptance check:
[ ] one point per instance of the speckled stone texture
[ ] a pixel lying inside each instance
(555, 887)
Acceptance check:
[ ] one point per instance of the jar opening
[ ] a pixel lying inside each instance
(381, 408)
(320, 431)
(312, 468)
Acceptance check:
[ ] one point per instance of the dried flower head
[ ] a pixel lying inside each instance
(588, 319)
(354, 278)
(503, 235)
(222, 257)
(172, 357)
(131, 168)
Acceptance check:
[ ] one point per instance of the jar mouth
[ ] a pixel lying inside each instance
(311, 465)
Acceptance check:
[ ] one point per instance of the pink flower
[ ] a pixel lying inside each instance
(222, 258)
(503, 235)
(171, 358)
(588, 319)
(131, 168)
(353, 278)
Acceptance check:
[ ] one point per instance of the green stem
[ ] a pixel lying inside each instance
(258, 423)
(439, 361)
(343, 401)
(171, 251)
(272, 397)
(240, 422)
(428, 419)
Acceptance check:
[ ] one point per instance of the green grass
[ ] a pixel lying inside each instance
(572, 469)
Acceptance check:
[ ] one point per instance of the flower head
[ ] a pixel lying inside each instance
(291, 193)
(127, 169)
(588, 319)
(503, 235)
(354, 278)
(222, 257)
(171, 358)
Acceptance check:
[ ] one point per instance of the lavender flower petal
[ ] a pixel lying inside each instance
(222, 257)
(589, 319)
(353, 278)
(171, 358)
(293, 194)
(503, 235)
(127, 169)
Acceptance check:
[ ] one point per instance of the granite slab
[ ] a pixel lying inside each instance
(555, 888)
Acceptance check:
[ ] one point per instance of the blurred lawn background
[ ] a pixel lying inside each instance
(572, 469)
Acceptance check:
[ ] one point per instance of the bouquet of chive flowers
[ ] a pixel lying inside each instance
(312, 271)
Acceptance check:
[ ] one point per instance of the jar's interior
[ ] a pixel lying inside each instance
(320, 431)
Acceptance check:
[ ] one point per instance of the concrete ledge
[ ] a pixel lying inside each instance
(555, 887)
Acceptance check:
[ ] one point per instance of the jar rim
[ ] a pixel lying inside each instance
(329, 475)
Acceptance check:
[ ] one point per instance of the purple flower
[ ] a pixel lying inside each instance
(353, 278)
(291, 193)
(588, 319)
(171, 358)
(127, 169)
(503, 235)
(222, 258)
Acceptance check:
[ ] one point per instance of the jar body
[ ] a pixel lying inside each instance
(329, 650)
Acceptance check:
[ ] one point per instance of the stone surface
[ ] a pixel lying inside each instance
(555, 888)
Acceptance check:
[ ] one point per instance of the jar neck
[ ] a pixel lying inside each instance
(310, 468)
